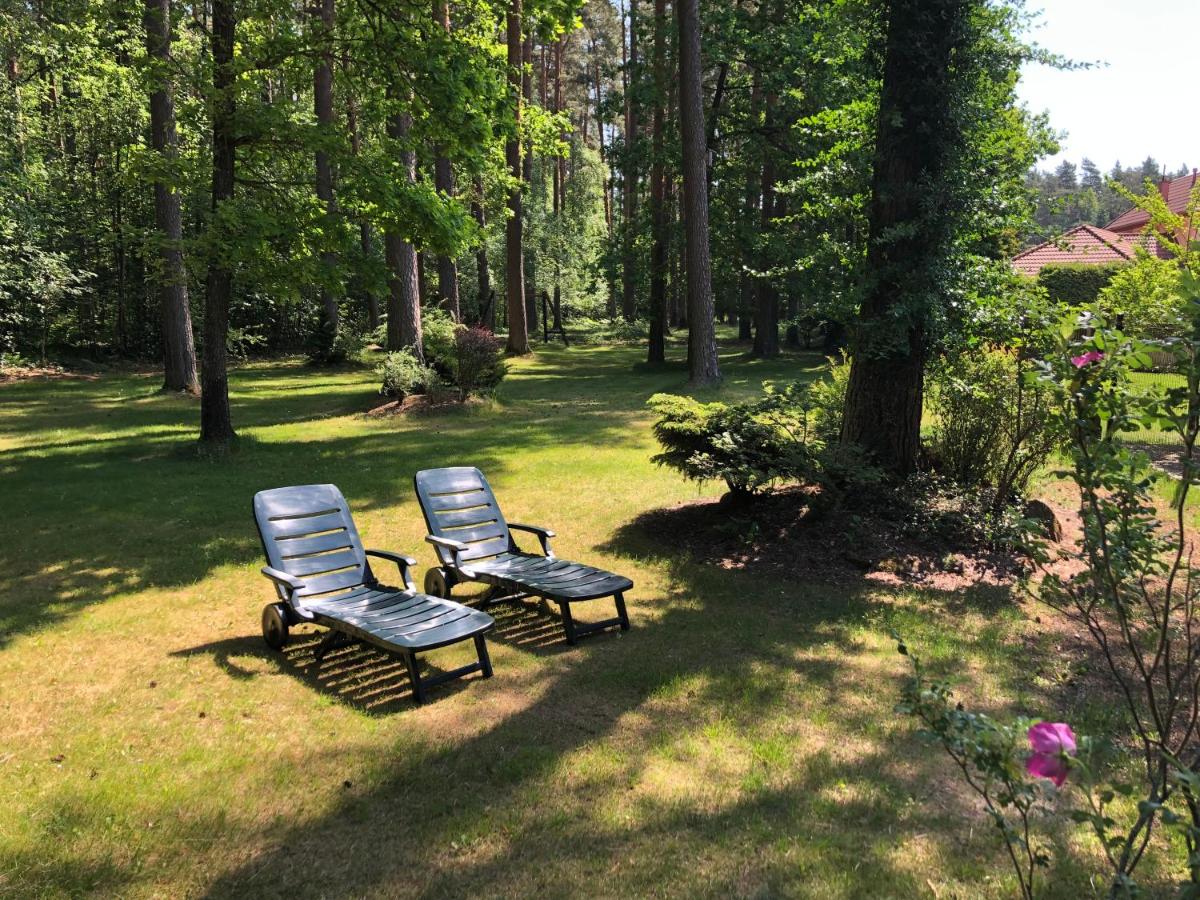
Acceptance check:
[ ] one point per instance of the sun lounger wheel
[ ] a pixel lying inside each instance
(436, 583)
(275, 626)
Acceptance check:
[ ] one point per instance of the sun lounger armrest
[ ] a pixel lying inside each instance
(287, 586)
(403, 563)
(455, 548)
(543, 535)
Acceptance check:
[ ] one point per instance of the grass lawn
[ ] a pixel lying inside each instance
(739, 740)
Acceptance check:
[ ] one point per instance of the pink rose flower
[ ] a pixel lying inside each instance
(1090, 357)
(1052, 743)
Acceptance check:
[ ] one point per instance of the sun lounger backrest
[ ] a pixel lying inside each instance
(458, 503)
(307, 531)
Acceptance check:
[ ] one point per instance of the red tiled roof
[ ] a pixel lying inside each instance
(1177, 191)
(1082, 244)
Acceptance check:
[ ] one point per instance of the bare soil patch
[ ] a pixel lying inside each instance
(421, 404)
(779, 535)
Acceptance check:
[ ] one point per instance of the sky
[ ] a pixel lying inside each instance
(1142, 100)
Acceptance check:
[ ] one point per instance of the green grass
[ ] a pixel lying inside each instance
(739, 740)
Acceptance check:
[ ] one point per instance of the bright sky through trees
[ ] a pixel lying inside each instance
(1143, 102)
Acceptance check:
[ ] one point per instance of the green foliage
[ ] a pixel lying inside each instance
(750, 445)
(1148, 298)
(402, 374)
(828, 399)
(438, 339)
(1077, 284)
(992, 425)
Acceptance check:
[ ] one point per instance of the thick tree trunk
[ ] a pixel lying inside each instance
(658, 189)
(443, 175)
(915, 136)
(404, 292)
(216, 426)
(703, 367)
(630, 179)
(323, 109)
(518, 334)
(179, 350)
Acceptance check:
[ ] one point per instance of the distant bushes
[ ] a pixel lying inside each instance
(1076, 284)
(470, 360)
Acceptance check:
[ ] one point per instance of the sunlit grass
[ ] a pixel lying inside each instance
(739, 740)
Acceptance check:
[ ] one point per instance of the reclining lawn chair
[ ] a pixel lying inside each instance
(322, 575)
(474, 543)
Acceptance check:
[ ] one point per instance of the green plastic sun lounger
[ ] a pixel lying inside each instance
(322, 575)
(474, 543)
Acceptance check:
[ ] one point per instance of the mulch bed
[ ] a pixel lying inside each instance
(779, 535)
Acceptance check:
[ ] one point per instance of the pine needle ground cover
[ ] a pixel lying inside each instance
(740, 740)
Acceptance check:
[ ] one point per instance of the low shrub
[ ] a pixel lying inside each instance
(438, 331)
(828, 399)
(993, 427)
(479, 365)
(750, 446)
(402, 374)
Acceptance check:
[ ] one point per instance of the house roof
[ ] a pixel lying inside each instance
(1176, 192)
(1082, 244)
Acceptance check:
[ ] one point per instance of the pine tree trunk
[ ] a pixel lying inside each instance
(658, 184)
(914, 139)
(703, 367)
(766, 310)
(487, 309)
(404, 292)
(630, 179)
(443, 175)
(179, 350)
(323, 109)
(527, 173)
(518, 334)
(366, 239)
(216, 426)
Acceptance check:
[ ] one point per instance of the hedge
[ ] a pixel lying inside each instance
(1076, 283)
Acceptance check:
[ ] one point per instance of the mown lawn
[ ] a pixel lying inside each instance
(739, 740)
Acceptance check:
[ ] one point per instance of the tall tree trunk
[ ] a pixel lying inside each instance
(534, 187)
(518, 334)
(216, 426)
(443, 175)
(658, 185)
(611, 302)
(179, 350)
(630, 178)
(559, 178)
(323, 109)
(766, 311)
(487, 308)
(915, 137)
(703, 367)
(366, 239)
(404, 291)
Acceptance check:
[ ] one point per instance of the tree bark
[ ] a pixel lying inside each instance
(703, 367)
(518, 334)
(443, 175)
(658, 185)
(323, 109)
(216, 426)
(915, 137)
(766, 311)
(487, 309)
(630, 179)
(404, 292)
(527, 175)
(366, 238)
(179, 349)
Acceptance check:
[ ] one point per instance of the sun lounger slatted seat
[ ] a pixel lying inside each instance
(322, 575)
(475, 543)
